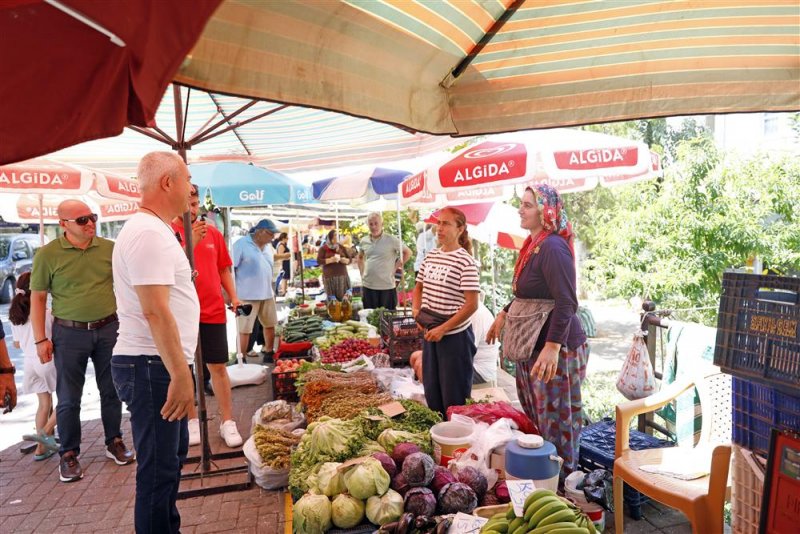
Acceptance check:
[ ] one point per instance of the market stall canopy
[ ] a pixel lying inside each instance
(282, 138)
(360, 187)
(459, 67)
(495, 223)
(81, 69)
(231, 184)
(569, 160)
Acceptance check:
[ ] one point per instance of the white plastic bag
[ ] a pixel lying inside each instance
(636, 379)
(286, 416)
(485, 439)
(264, 476)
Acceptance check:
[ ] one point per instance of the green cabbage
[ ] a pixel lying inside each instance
(329, 479)
(334, 438)
(370, 447)
(311, 515)
(367, 479)
(390, 437)
(385, 509)
(347, 511)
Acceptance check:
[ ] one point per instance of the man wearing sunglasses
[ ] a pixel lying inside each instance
(76, 270)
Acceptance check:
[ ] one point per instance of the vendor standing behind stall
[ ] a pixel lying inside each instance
(447, 286)
(333, 259)
(381, 255)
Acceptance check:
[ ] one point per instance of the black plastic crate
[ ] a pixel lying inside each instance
(400, 349)
(396, 325)
(596, 451)
(758, 329)
(757, 409)
(283, 387)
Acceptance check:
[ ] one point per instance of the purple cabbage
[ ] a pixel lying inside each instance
(418, 469)
(474, 479)
(387, 463)
(441, 476)
(420, 501)
(457, 497)
(400, 484)
(401, 450)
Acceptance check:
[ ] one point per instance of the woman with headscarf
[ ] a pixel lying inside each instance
(549, 382)
(333, 259)
(445, 297)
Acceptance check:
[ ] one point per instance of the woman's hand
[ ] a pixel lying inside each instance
(497, 326)
(435, 334)
(546, 364)
(344, 261)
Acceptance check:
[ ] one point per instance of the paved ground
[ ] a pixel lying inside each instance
(33, 500)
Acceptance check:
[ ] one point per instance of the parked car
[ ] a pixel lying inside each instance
(16, 257)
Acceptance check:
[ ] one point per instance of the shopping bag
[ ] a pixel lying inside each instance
(636, 380)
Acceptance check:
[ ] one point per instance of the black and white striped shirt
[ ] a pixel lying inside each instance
(445, 276)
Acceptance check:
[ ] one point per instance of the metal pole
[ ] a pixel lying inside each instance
(494, 279)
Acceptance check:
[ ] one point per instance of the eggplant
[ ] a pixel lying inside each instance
(406, 524)
(442, 526)
(422, 522)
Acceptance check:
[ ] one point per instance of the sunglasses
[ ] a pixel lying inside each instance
(83, 220)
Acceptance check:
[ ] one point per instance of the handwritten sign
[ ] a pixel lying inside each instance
(519, 491)
(466, 524)
(392, 409)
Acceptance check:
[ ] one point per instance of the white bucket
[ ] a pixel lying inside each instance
(596, 513)
(571, 488)
(450, 440)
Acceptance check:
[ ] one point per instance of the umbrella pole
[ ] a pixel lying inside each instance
(206, 457)
(41, 219)
(401, 284)
(494, 279)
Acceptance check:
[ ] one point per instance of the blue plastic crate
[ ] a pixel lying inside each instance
(757, 409)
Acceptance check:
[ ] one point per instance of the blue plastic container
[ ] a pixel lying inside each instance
(531, 458)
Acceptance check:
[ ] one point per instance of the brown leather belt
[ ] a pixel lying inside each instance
(94, 325)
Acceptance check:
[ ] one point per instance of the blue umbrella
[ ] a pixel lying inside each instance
(241, 184)
(362, 186)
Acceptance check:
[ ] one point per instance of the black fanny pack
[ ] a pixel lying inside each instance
(428, 319)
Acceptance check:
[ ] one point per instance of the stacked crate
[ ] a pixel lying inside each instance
(758, 343)
(400, 336)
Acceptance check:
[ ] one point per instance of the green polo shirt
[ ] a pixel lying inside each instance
(80, 281)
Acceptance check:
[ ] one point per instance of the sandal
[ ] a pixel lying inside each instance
(44, 456)
(48, 441)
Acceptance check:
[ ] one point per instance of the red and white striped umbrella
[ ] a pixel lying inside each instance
(491, 222)
(569, 160)
(31, 191)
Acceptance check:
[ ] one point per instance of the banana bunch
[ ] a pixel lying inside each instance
(544, 513)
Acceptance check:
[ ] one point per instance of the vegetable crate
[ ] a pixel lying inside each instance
(746, 491)
(400, 349)
(757, 331)
(397, 325)
(283, 387)
(757, 409)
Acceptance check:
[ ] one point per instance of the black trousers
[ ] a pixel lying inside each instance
(447, 370)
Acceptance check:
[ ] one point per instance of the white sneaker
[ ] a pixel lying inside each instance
(228, 432)
(194, 432)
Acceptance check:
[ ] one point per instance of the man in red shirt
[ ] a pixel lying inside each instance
(213, 265)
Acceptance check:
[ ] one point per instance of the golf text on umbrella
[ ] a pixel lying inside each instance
(255, 196)
(487, 162)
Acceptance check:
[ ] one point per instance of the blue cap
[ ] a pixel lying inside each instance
(265, 224)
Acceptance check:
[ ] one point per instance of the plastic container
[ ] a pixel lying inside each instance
(571, 490)
(747, 489)
(757, 409)
(363, 314)
(596, 515)
(450, 440)
(532, 458)
(757, 329)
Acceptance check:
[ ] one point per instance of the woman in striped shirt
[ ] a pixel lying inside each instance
(448, 285)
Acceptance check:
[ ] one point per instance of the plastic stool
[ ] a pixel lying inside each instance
(596, 451)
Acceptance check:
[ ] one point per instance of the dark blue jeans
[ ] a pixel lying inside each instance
(72, 349)
(161, 446)
(447, 370)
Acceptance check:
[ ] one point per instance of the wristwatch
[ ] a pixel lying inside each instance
(8, 370)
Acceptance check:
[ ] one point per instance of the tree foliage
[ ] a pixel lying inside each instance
(671, 241)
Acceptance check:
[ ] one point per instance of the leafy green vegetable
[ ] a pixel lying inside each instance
(390, 437)
(416, 419)
(367, 479)
(347, 511)
(311, 515)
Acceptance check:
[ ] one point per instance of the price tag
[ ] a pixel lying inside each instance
(392, 409)
(466, 524)
(519, 491)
